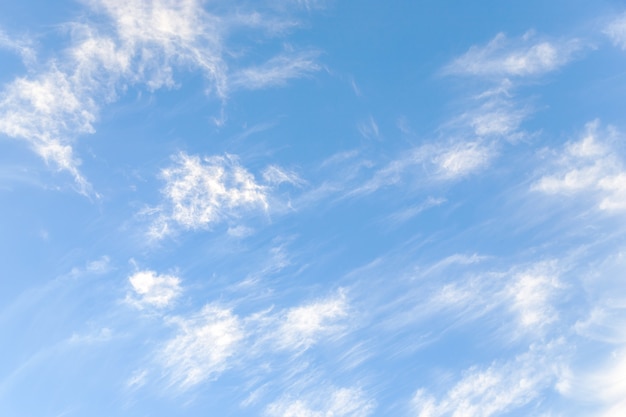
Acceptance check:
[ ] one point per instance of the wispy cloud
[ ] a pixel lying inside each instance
(532, 293)
(462, 159)
(369, 129)
(214, 339)
(131, 43)
(277, 71)
(22, 46)
(616, 31)
(432, 163)
(202, 346)
(339, 402)
(153, 290)
(499, 388)
(589, 167)
(276, 175)
(302, 326)
(526, 56)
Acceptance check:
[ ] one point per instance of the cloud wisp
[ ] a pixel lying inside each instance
(523, 57)
(616, 31)
(589, 167)
(497, 389)
(202, 347)
(339, 402)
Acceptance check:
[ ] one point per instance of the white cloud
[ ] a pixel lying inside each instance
(200, 192)
(137, 379)
(589, 167)
(44, 110)
(463, 159)
(276, 175)
(436, 162)
(99, 266)
(99, 336)
(601, 382)
(527, 294)
(616, 31)
(22, 46)
(202, 347)
(608, 385)
(526, 56)
(342, 402)
(532, 293)
(410, 212)
(302, 326)
(153, 290)
(494, 390)
(137, 43)
(598, 375)
(369, 129)
(277, 71)
(495, 113)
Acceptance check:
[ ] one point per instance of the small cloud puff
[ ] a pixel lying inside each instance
(152, 290)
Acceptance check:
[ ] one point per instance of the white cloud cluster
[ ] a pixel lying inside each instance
(342, 402)
(202, 191)
(214, 339)
(589, 167)
(500, 388)
(137, 42)
(526, 56)
(153, 290)
(201, 348)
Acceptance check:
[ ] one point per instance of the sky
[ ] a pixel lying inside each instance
(312, 208)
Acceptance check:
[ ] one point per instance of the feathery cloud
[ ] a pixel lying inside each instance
(202, 347)
(616, 31)
(302, 326)
(141, 43)
(200, 192)
(526, 56)
(341, 402)
(591, 166)
(494, 390)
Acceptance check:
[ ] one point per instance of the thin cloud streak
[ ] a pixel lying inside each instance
(526, 56)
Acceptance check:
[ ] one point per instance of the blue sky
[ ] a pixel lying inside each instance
(312, 208)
